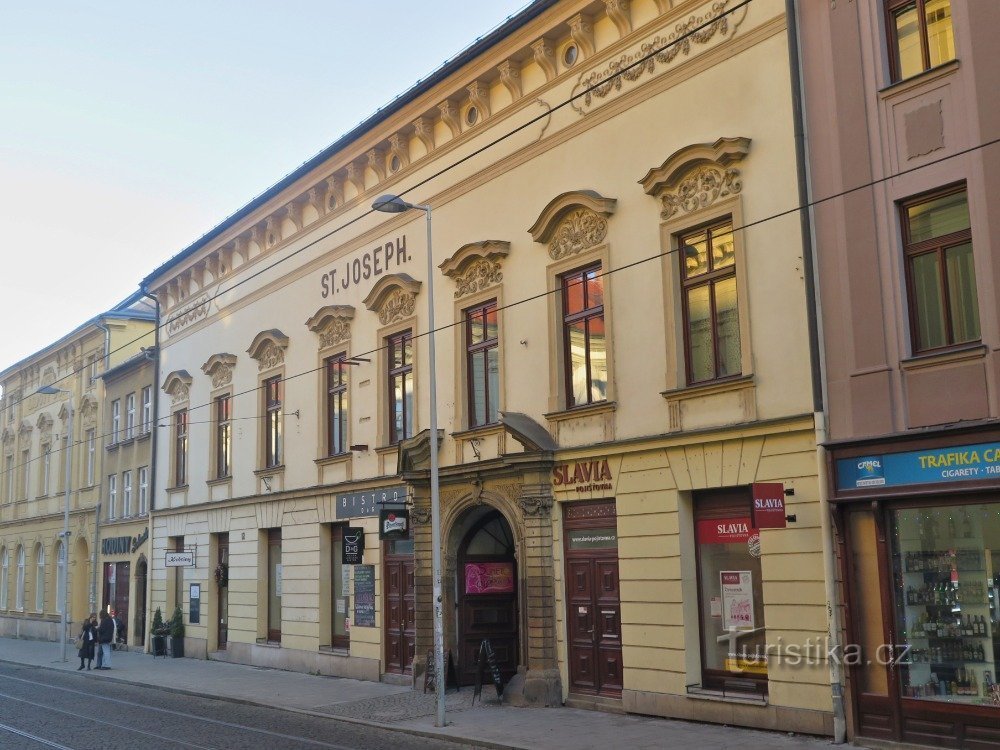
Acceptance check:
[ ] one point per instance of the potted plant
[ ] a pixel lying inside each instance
(177, 633)
(159, 632)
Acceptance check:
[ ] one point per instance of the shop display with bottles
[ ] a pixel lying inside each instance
(946, 575)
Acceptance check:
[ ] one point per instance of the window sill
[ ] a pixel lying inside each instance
(340, 458)
(263, 642)
(143, 436)
(127, 441)
(335, 650)
(220, 480)
(590, 410)
(710, 388)
(384, 450)
(914, 81)
(697, 692)
(954, 355)
(494, 428)
(178, 488)
(269, 471)
(111, 447)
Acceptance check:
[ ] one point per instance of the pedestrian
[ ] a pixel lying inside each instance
(105, 635)
(88, 640)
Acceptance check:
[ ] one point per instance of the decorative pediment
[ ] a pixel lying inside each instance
(697, 176)
(177, 385)
(415, 452)
(88, 410)
(393, 297)
(7, 435)
(268, 348)
(573, 222)
(332, 324)
(476, 266)
(25, 428)
(44, 423)
(219, 368)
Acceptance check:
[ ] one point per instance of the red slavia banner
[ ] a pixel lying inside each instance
(725, 530)
(768, 505)
(489, 578)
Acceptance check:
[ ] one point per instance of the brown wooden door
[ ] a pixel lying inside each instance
(400, 614)
(138, 637)
(223, 561)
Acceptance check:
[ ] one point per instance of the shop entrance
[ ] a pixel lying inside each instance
(139, 633)
(593, 598)
(116, 597)
(222, 577)
(487, 593)
(400, 606)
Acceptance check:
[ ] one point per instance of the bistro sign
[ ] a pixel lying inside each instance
(123, 545)
(962, 463)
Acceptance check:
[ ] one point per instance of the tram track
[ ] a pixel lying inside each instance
(32, 737)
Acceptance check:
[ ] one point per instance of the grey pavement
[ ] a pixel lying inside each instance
(483, 722)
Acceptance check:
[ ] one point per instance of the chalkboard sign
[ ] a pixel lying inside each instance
(364, 596)
(487, 658)
(430, 674)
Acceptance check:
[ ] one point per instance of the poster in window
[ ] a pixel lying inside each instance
(489, 578)
(737, 599)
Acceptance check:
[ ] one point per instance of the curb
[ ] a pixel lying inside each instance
(426, 733)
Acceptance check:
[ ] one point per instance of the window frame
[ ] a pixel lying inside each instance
(39, 578)
(337, 403)
(939, 246)
(892, 47)
(46, 466)
(585, 315)
(223, 436)
(116, 420)
(179, 450)
(25, 473)
(403, 338)
(4, 576)
(130, 416)
(147, 410)
(61, 576)
(127, 493)
(91, 456)
(143, 496)
(112, 497)
(19, 582)
(272, 411)
(473, 350)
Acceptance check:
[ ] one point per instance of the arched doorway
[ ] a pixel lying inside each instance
(487, 592)
(79, 582)
(138, 637)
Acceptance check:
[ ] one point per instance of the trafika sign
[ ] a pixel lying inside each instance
(768, 505)
(582, 476)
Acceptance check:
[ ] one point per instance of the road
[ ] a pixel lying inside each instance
(41, 708)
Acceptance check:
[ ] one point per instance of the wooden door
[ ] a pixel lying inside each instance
(223, 561)
(121, 602)
(274, 576)
(138, 637)
(400, 614)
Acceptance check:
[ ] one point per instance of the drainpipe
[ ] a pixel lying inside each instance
(818, 371)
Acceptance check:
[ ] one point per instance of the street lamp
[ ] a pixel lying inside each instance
(393, 204)
(50, 390)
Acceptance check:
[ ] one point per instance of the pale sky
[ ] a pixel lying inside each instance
(128, 130)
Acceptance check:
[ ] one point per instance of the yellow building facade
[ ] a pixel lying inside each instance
(622, 361)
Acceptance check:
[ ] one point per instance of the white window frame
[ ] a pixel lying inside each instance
(4, 572)
(112, 496)
(9, 484)
(91, 456)
(116, 420)
(60, 576)
(147, 409)
(39, 578)
(130, 416)
(19, 591)
(143, 490)
(126, 493)
(46, 468)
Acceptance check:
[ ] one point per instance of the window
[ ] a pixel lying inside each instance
(340, 637)
(400, 346)
(116, 419)
(482, 364)
(180, 447)
(711, 316)
(60, 576)
(43, 485)
(274, 580)
(126, 494)
(4, 573)
(941, 275)
(19, 588)
(39, 578)
(64, 458)
(143, 491)
(112, 497)
(8, 471)
(91, 456)
(130, 416)
(337, 406)
(25, 468)
(147, 409)
(223, 436)
(584, 337)
(920, 35)
(272, 422)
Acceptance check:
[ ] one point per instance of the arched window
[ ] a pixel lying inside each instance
(60, 576)
(4, 572)
(39, 578)
(19, 591)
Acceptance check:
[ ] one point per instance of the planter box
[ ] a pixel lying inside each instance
(177, 646)
(158, 643)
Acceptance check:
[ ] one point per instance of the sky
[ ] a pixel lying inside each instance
(128, 130)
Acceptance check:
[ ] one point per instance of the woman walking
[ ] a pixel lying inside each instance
(88, 640)
(105, 635)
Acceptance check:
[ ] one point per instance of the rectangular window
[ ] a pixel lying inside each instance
(180, 447)
(40, 578)
(482, 356)
(8, 470)
(25, 469)
(274, 585)
(584, 337)
(711, 315)
(130, 416)
(920, 35)
(91, 456)
(126, 494)
(337, 411)
(112, 497)
(46, 468)
(400, 352)
(143, 491)
(147, 409)
(272, 422)
(941, 274)
(116, 420)
(223, 436)
(341, 590)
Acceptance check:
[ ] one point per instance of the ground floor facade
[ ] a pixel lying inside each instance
(123, 577)
(919, 517)
(628, 574)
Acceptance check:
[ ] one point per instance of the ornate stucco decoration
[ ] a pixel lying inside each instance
(88, 410)
(268, 348)
(653, 55)
(573, 222)
(24, 430)
(177, 385)
(7, 436)
(393, 297)
(697, 176)
(219, 368)
(476, 266)
(332, 324)
(44, 424)
(189, 313)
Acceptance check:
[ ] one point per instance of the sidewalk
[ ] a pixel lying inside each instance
(402, 709)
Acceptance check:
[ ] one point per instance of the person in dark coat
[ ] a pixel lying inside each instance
(88, 638)
(105, 635)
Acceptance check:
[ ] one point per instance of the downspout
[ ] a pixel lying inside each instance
(817, 369)
(152, 463)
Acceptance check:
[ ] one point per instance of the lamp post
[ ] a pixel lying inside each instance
(393, 204)
(50, 390)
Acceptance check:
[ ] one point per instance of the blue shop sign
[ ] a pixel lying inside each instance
(961, 463)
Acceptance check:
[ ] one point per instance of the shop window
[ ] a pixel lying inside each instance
(584, 336)
(272, 388)
(711, 314)
(940, 271)
(400, 353)
(920, 35)
(274, 581)
(341, 590)
(180, 447)
(337, 405)
(946, 581)
(730, 592)
(482, 364)
(223, 436)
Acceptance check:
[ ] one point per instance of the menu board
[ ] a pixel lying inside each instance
(364, 596)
